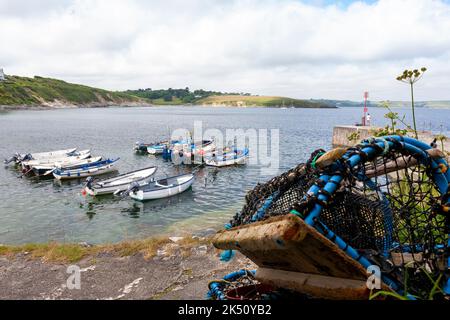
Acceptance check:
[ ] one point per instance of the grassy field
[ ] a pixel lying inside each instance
(264, 101)
(41, 91)
(162, 102)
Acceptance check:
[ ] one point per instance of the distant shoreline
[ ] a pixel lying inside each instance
(134, 104)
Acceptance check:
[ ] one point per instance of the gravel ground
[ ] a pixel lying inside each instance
(105, 276)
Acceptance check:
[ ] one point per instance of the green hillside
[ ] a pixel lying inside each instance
(45, 91)
(264, 101)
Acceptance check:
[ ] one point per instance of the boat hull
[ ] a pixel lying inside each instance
(45, 169)
(155, 149)
(225, 163)
(95, 169)
(142, 195)
(84, 173)
(113, 185)
(52, 154)
(60, 159)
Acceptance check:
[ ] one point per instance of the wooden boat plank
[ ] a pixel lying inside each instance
(317, 286)
(287, 243)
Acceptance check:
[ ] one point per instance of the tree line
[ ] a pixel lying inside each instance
(185, 95)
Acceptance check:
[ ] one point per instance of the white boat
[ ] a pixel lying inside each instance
(92, 169)
(119, 183)
(19, 158)
(69, 163)
(236, 157)
(157, 148)
(62, 159)
(203, 148)
(51, 154)
(162, 188)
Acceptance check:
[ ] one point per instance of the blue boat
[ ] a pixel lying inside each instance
(91, 169)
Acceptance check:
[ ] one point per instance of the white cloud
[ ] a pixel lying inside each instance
(266, 47)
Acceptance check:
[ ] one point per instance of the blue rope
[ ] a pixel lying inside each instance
(216, 287)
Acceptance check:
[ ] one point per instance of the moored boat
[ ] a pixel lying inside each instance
(141, 147)
(53, 154)
(229, 158)
(92, 169)
(81, 155)
(18, 157)
(68, 164)
(157, 148)
(119, 183)
(162, 188)
(189, 150)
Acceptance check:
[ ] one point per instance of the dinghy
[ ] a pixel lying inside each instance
(18, 158)
(206, 146)
(92, 169)
(53, 154)
(141, 146)
(63, 159)
(162, 188)
(189, 151)
(119, 183)
(228, 158)
(69, 163)
(157, 148)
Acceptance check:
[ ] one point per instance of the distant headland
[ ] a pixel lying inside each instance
(24, 93)
(18, 92)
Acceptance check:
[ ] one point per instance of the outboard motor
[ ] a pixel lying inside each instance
(133, 187)
(89, 182)
(139, 146)
(27, 157)
(7, 161)
(16, 158)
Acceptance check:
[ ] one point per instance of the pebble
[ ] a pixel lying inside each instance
(202, 249)
(85, 244)
(175, 239)
(161, 252)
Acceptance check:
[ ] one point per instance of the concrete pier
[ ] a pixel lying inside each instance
(341, 134)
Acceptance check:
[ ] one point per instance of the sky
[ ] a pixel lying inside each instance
(302, 49)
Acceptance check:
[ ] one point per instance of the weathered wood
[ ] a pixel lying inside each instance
(288, 243)
(401, 163)
(317, 286)
(407, 259)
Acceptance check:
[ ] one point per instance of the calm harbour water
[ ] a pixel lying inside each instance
(42, 210)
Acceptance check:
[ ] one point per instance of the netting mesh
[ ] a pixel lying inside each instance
(386, 208)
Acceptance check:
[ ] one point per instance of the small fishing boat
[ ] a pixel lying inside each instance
(228, 158)
(92, 169)
(141, 146)
(18, 158)
(157, 148)
(189, 150)
(162, 188)
(53, 154)
(206, 146)
(68, 164)
(81, 155)
(119, 183)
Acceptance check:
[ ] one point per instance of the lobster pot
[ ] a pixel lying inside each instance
(388, 207)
